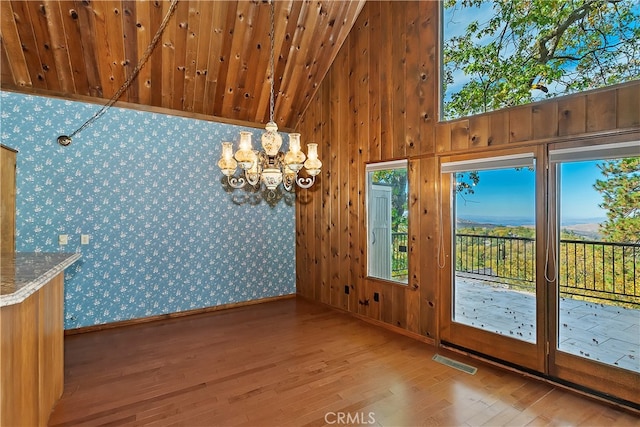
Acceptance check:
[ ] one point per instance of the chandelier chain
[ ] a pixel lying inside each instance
(270, 167)
(134, 73)
(271, 58)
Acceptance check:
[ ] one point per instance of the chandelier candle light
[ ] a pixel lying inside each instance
(270, 166)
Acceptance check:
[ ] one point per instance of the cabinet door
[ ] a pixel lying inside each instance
(7, 199)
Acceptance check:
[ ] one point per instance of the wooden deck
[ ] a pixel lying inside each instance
(296, 363)
(605, 333)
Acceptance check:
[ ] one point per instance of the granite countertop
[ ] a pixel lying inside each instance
(23, 273)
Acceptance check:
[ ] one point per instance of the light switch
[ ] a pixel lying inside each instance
(84, 239)
(63, 239)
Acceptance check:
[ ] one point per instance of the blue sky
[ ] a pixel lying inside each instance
(508, 194)
(500, 194)
(579, 199)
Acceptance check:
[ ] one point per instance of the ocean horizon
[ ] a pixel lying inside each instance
(522, 221)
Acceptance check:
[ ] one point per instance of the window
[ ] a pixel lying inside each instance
(388, 221)
(501, 54)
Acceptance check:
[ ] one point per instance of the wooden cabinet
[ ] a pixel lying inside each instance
(32, 361)
(7, 199)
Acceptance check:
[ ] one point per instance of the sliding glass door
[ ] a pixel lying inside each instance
(540, 261)
(596, 274)
(493, 291)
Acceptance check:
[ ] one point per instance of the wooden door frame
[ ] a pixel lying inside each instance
(597, 376)
(513, 351)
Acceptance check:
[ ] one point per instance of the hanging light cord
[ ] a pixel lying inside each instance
(271, 59)
(66, 140)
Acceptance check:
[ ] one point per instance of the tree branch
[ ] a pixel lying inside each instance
(546, 54)
(576, 15)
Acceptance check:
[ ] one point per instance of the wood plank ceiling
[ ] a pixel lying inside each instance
(212, 59)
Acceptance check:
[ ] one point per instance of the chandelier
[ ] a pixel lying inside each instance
(270, 166)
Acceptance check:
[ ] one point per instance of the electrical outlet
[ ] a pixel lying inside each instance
(376, 297)
(63, 239)
(84, 239)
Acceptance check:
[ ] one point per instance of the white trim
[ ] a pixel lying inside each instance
(393, 164)
(595, 152)
(501, 162)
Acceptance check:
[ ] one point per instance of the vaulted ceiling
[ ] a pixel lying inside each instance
(213, 57)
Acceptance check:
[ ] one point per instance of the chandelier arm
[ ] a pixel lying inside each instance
(305, 182)
(236, 182)
(253, 181)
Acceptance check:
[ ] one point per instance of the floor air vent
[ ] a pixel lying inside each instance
(457, 365)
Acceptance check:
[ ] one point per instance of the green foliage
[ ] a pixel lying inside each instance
(399, 258)
(500, 231)
(507, 253)
(465, 181)
(596, 271)
(529, 47)
(620, 188)
(397, 179)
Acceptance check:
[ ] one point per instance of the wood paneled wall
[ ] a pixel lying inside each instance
(594, 113)
(376, 103)
(379, 101)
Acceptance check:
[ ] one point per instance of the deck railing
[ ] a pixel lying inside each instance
(507, 258)
(591, 269)
(609, 270)
(399, 262)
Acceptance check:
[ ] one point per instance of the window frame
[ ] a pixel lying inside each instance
(521, 353)
(565, 366)
(373, 167)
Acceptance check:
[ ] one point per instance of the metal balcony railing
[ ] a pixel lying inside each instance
(399, 260)
(592, 269)
(506, 258)
(609, 270)
(599, 270)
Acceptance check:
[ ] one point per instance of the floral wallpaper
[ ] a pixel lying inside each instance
(165, 234)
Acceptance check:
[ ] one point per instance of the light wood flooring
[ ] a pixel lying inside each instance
(296, 363)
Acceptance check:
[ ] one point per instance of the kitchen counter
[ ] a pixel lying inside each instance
(24, 273)
(32, 335)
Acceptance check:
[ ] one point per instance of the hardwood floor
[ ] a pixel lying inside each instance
(295, 363)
